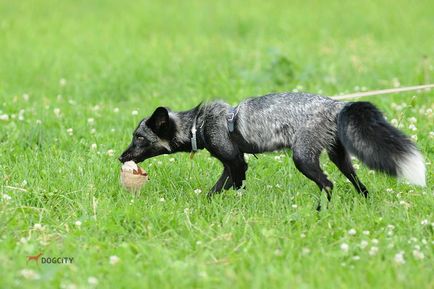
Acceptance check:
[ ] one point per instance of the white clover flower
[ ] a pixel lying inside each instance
(77, 223)
(431, 134)
(412, 127)
(374, 241)
(394, 122)
(352, 232)
(404, 203)
(366, 233)
(93, 131)
(38, 121)
(38, 227)
(93, 146)
(171, 160)
(356, 166)
(413, 137)
(390, 227)
(92, 280)
(418, 255)
(29, 274)
(114, 260)
(269, 186)
(134, 112)
(363, 244)
(356, 258)
(302, 235)
(294, 206)
(389, 190)
(412, 119)
(162, 200)
(6, 197)
(70, 131)
(345, 247)
(4, 117)
(424, 222)
(197, 191)
(373, 251)
(91, 121)
(278, 158)
(305, 251)
(20, 115)
(399, 258)
(26, 97)
(57, 112)
(110, 152)
(62, 82)
(116, 110)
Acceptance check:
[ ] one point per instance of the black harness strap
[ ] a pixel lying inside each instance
(231, 117)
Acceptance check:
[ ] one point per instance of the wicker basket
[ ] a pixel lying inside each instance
(133, 182)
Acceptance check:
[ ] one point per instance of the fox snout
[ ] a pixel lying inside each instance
(134, 153)
(126, 155)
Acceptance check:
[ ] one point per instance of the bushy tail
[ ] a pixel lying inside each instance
(365, 133)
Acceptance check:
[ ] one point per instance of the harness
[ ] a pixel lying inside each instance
(230, 118)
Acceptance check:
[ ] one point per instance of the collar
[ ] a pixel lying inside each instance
(194, 137)
(194, 145)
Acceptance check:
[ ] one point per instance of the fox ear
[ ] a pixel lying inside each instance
(159, 120)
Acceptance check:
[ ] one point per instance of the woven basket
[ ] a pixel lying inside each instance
(133, 182)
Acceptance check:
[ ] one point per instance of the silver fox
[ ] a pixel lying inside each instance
(306, 123)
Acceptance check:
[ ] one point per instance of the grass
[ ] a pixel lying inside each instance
(63, 63)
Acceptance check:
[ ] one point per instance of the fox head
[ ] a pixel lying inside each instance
(152, 137)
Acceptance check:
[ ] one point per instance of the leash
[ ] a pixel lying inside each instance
(383, 91)
(233, 112)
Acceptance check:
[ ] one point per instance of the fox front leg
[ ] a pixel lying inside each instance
(224, 182)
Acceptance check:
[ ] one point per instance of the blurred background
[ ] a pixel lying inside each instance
(149, 52)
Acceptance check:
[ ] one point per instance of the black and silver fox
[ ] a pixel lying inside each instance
(306, 123)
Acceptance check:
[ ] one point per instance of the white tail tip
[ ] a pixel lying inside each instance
(412, 168)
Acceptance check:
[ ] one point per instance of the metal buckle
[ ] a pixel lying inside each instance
(231, 116)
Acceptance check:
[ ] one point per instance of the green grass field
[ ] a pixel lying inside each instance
(73, 74)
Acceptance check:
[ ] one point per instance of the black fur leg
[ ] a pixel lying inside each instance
(310, 167)
(238, 168)
(224, 182)
(233, 175)
(340, 157)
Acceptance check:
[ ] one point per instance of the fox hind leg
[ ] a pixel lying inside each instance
(307, 162)
(340, 157)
